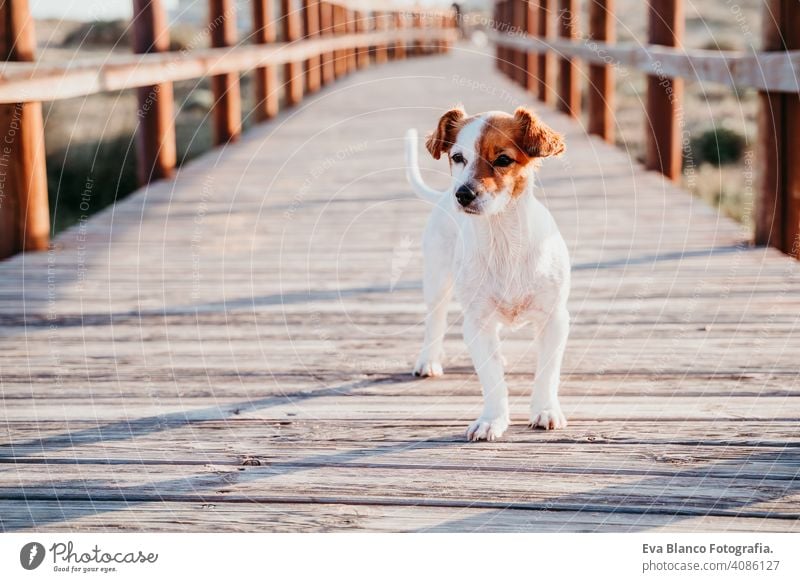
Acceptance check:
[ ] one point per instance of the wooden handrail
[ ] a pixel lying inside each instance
(46, 82)
(766, 71)
(775, 72)
(320, 44)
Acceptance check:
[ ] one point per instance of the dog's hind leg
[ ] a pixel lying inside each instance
(438, 289)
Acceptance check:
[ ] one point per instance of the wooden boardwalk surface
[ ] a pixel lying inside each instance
(231, 350)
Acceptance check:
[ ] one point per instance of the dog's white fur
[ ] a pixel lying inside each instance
(509, 266)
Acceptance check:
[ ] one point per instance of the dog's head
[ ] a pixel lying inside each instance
(492, 155)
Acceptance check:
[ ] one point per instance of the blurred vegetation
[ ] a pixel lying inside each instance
(717, 169)
(718, 146)
(90, 141)
(117, 33)
(105, 33)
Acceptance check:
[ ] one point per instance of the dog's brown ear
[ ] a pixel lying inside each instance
(535, 138)
(441, 140)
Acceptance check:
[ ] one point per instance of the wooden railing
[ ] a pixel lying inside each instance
(321, 42)
(528, 48)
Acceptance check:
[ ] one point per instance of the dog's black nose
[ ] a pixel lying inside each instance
(465, 195)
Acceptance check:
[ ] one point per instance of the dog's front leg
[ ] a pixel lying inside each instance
(483, 343)
(545, 408)
(438, 290)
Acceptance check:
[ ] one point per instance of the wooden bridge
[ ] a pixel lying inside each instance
(229, 349)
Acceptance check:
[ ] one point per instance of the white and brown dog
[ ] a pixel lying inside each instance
(498, 246)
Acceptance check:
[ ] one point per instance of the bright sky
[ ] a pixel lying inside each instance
(111, 9)
(86, 9)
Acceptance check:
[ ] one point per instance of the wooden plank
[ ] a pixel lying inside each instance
(59, 436)
(664, 115)
(325, 403)
(156, 153)
(456, 382)
(311, 26)
(569, 88)
(265, 79)
(601, 77)
(181, 446)
(468, 487)
(24, 205)
(293, 70)
(110, 516)
(227, 110)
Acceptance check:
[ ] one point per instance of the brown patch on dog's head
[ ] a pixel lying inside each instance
(535, 138)
(443, 138)
(507, 145)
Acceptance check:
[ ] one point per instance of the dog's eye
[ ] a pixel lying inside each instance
(503, 161)
(458, 159)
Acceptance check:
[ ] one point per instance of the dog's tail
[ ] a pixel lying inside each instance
(419, 186)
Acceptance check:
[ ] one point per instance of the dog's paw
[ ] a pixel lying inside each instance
(548, 417)
(428, 368)
(487, 429)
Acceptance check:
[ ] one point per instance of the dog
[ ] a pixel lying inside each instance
(492, 242)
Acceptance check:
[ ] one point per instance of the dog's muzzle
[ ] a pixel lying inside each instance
(465, 195)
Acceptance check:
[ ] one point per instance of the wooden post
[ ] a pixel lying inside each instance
(569, 89)
(227, 96)
(545, 65)
(326, 29)
(443, 24)
(352, 61)
(156, 153)
(416, 24)
(664, 95)
(601, 77)
(292, 72)
(503, 29)
(452, 24)
(399, 46)
(531, 58)
(313, 64)
(508, 18)
(362, 53)
(381, 50)
(777, 202)
(437, 23)
(518, 15)
(24, 208)
(498, 50)
(339, 28)
(265, 78)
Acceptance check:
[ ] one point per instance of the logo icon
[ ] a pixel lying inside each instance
(31, 555)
